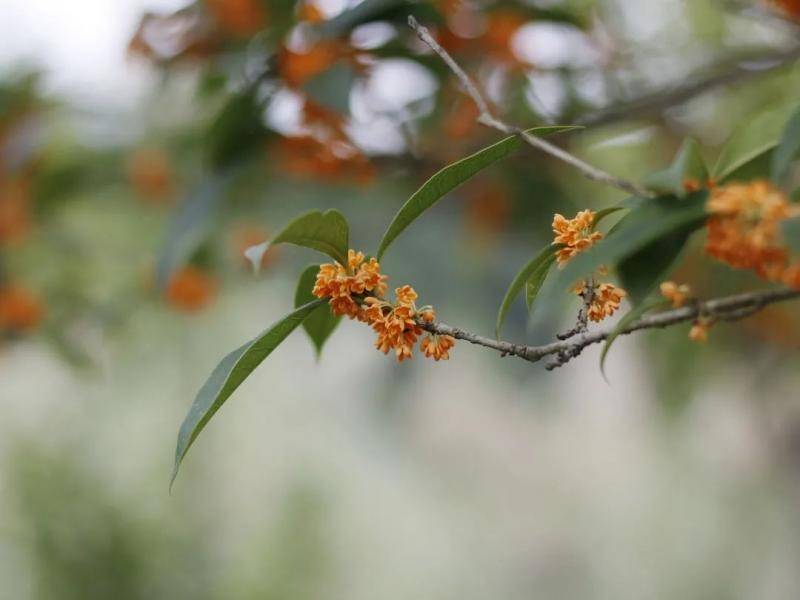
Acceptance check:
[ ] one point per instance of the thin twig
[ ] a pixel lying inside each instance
(731, 71)
(587, 297)
(729, 308)
(486, 117)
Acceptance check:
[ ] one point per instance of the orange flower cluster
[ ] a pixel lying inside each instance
(16, 219)
(699, 330)
(676, 294)
(744, 230)
(605, 301)
(20, 310)
(357, 291)
(574, 236)
(345, 286)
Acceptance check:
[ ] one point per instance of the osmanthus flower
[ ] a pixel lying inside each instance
(191, 289)
(744, 230)
(437, 347)
(21, 310)
(357, 291)
(676, 294)
(699, 330)
(605, 301)
(575, 235)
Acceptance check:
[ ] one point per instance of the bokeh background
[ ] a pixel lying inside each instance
(145, 144)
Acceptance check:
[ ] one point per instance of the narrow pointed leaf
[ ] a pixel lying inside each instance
(321, 323)
(326, 232)
(534, 284)
(230, 373)
(190, 226)
(688, 165)
(753, 140)
(544, 257)
(644, 270)
(600, 215)
(787, 150)
(450, 178)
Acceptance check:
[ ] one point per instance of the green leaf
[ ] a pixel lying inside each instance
(534, 284)
(631, 316)
(602, 214)
(687, 165)
(645, 269)
(321, 323)
(191, 224)
(230, 373)
(238, 130)
(450, 178)
(542, 260)
(653, 220)
(787, 150)
(754, 139)
(326, 232)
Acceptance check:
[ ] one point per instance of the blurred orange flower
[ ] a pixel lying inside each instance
(335, 160)
(788, 7)
(149, 171)
(191, 289)
(296, 68)
(699, 331)
(15, 214)
(310, 12)
(502, 26)
(240, 18)
(744, 230)
(676, 294)
(489, 207)
(20, 310)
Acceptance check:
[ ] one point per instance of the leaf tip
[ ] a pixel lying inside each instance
(255, 254)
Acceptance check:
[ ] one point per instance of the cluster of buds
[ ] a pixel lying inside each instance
(679, 295)
(574, 236)
(357, 291)
(744, 230)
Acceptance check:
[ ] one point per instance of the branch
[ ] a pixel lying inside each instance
(729, 308)
(486, 117)
(587, 297)
(731, 71)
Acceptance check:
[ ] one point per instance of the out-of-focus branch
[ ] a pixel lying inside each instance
(486, 117)
(725, 73)
(729, 308)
